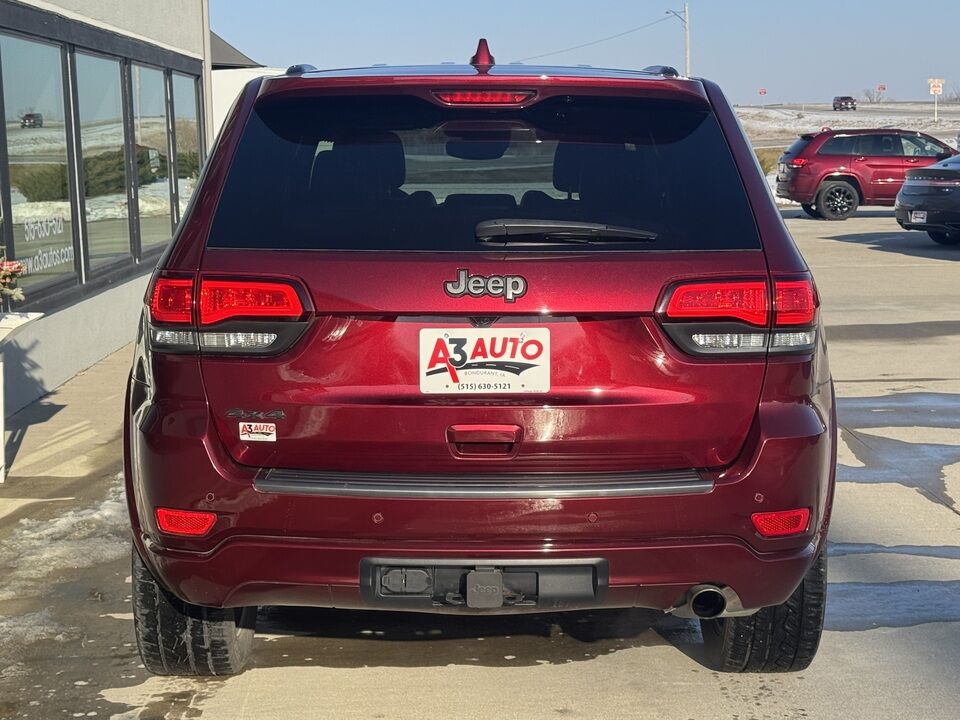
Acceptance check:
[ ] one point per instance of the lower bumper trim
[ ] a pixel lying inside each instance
(499, 486)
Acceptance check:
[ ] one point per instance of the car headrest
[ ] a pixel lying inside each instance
(324, 176)
(376, 157)
(611, 176)
(568, 166)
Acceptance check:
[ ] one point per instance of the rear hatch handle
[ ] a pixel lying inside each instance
(479, 441)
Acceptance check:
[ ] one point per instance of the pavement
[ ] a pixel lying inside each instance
(891, 301)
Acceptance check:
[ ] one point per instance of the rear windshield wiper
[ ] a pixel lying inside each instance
(545, 232)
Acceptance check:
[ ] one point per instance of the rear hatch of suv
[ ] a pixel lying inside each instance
(790, 162)
(468, 282)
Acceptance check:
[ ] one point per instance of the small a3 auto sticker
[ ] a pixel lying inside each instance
(258, 432)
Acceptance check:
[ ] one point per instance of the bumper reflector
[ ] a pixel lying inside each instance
(185, 522)
(781, 522)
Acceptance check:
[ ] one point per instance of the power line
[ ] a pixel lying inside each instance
(597, 42)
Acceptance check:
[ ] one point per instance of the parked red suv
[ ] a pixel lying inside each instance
(831, 173)
(467, 339)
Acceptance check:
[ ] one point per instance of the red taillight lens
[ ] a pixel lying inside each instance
(798, 162)
(794, 302)
(483, 97)
(185, 522)
(172, 301)
(748, 301)
(223, 299)
(782, 522)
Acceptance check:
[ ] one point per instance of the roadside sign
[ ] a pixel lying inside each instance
(763, 91)
(881, 88)
(936, 89)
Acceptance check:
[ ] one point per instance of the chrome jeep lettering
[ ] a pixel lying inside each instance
(509, 287)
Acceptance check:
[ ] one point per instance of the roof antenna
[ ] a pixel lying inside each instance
(482, 60)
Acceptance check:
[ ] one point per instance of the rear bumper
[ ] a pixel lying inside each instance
(938, 220)
(281, 571)
(796, 187)
(295, 548)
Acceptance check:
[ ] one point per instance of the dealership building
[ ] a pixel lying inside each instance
(105, 106)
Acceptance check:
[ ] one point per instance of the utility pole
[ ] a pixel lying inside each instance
(685, 19)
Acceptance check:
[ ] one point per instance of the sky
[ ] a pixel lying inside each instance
(805, 51)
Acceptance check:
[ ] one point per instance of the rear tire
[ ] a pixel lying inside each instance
(810, 210)
(782, 638)
(177, 638)
(837, 200)
(942, 238)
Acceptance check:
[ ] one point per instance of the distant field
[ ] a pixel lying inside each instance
(768, 158)
(776, 125)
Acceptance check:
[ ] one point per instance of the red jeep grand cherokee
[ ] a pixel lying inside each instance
(832, 172)
(471, 339)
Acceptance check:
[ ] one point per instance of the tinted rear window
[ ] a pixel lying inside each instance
(399, 173)
(797, 147)
(839, 145)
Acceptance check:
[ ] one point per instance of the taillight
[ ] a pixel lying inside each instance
(798, 162)
(726, 317)
(224, 299)
(794, 301)
(172, 301)
(192, 523)
(781, 522)
(747, 301)
(483, 97)
(243, 316)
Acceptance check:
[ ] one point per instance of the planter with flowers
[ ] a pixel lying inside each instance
(11, 323)
(10, 272)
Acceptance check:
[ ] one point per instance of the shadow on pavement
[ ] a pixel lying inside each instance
(907, 603)
(912, 244)
(341, 638)
(794, 212)
(18, 372)
(883, 458)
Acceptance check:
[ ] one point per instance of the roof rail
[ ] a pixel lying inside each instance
(300, 69)
(664, 70)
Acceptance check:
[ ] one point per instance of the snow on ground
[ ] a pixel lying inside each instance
(776, 122)
(18, 631)
(772, 184)
(154, 202)
(25, 143)
(80, 538)
(31, 628)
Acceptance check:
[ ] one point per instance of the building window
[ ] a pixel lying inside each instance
(100, 105)
(41, 216)
(188, 136)
(152, 156)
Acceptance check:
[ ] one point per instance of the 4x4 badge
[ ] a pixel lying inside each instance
(256, 414)
(509, 287)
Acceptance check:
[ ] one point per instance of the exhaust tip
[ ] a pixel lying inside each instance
(707, 602)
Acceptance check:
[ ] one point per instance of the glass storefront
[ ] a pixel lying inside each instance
(93, 129)
(152, 155)
(34, 109)
(188, 136)
(102, 143)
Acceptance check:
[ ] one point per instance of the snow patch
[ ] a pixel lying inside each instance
(18, 630)
(777, 122)
(76, 539)
(772, 184)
